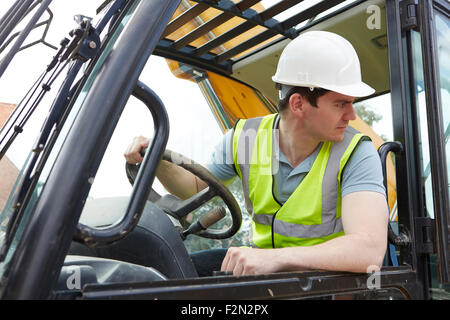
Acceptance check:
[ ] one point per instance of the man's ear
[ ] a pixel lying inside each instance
(297, 103)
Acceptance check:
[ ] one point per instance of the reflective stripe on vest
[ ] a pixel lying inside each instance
(312, 214)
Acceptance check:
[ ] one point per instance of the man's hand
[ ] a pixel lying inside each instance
(364, 218)
(249, 261)
(132, 153)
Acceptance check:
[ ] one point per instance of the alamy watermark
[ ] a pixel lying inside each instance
(254, 147)
(374, 280)
(373, 22)
(73, 281)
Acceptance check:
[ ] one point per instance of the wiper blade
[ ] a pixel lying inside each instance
(27, 180)
(78, 50)
(57, 110)
(16, 123)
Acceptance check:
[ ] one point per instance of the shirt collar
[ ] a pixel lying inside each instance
(305, 166)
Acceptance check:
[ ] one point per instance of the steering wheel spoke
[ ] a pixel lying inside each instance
(194, 202)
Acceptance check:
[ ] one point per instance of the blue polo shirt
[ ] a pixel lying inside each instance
(362, 173)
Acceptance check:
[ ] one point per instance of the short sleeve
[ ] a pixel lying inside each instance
(363, 171)
(221, 163)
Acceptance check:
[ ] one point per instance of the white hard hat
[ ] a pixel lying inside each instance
(324, 60)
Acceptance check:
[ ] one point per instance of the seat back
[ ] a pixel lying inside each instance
(154, 242)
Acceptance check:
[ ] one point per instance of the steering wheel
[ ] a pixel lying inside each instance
(178, 208)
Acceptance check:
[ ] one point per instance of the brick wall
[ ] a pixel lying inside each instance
(5, 111)
(8, 171)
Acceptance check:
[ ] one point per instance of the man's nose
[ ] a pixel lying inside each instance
(350, 113)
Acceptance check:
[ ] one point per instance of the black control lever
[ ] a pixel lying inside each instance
(205, 221)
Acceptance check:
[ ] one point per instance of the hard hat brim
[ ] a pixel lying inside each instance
(360, 89)
(356, 90)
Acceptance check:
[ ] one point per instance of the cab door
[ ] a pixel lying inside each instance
(434, 22)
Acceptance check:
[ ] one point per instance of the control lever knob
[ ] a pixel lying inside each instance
(207, 220)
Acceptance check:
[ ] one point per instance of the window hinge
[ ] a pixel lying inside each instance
(425, 235)
(408, 15)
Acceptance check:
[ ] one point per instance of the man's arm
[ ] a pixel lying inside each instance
(178, 181)
(175, 179)
(181, 182)
(364, 218)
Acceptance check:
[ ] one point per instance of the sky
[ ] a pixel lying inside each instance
(193, 129)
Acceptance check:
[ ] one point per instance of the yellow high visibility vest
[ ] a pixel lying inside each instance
(312, 214)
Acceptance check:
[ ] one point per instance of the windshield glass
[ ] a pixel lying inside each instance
(443, 30)
(16, 159)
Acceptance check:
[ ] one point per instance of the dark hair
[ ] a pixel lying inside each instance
(305, 92)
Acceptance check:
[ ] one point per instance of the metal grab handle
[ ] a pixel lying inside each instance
(392, 146)
(94, 237)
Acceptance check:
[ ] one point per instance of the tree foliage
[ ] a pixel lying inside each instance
(366, 113)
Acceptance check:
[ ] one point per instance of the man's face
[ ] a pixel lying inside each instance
(329, 120)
